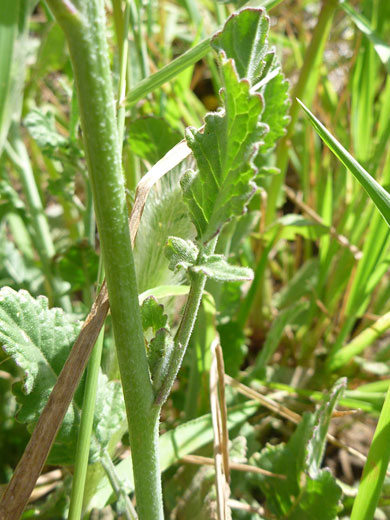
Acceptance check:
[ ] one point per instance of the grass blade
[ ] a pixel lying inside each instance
(381, 47)
(375, 191)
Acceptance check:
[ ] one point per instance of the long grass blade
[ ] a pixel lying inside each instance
(375, 191)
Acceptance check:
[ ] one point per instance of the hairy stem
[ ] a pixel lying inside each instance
(183, 335)
(84, 25)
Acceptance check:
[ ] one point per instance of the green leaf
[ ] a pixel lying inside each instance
(217, 268)
(164, 291)
(39, 339)
(165, 214)
(244, 39)
(153, 315)
(320, 499)
(224, 150)
(276, 106)
(181, 253)
(41, 127)
(375, 191)
(308, 491)
(151, 138)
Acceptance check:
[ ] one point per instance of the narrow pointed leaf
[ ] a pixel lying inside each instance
(376, 192)
(382, 48)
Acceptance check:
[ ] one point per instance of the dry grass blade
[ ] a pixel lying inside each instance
(235, 504)
(221, 446)
(223, 411)
(30, 465)
(246, 468)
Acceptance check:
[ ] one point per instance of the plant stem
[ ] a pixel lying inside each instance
(84, 26)
(183, 334)
(86, 423)
(120, 492)
(308, 78)
(375, 468)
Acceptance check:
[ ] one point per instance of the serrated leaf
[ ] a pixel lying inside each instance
(41, 127)
(320, 499)
(244, 39)
(276, 106)
(181, 253)
(39, 339)
(223, 184)
(151, 138)
(152, 314)
(217, 268)
(307, 492)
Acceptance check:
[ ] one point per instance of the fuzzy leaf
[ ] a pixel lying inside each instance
(165, 214)
(41, 127)
(244, 39)
(39, 340)
(181, 253)
(223, 184)
(276, 105)
(217, 268)
(153, 315)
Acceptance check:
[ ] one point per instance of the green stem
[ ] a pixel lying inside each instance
(84, 438)
(183, 334)
(120, 492)
(84, 25)
(375, 468)
(308, 78)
